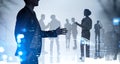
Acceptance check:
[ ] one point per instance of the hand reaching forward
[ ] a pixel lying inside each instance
(61, 31)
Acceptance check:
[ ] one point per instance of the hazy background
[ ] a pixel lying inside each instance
(101, 10)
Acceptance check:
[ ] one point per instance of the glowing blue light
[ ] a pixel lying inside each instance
(20, 53)
(82, 41)
(21, 59)
(24, 30)
(2, 49)
(19, 45)
(116, 21)
(19, 37)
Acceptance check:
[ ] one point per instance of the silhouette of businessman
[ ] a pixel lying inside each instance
(97, 28)
(28, 34)
(43, 27)
(74, 32)
(86, 25)
(54, 23)
(68, 26)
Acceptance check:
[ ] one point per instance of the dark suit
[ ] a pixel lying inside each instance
(97, 28)
(28, 25)
(86, 26)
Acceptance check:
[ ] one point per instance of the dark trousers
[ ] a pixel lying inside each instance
(97, 37)
(87, 50)
(97, 49)
(116, 52)
(85, 34)
(32, 60)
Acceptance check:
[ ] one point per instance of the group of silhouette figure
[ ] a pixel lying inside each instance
(29, 33)
(86, 25)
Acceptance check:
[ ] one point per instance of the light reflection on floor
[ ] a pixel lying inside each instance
(87, 61)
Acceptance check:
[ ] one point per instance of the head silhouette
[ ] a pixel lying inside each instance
(67, 21)
(31, 2)
(98, 21)
(52, 16)
(87, 12)
(73, 19)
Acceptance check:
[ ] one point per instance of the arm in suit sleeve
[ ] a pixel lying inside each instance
(48, 33)
(86, 24)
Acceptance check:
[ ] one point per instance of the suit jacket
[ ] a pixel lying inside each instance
(97, 28)
(86, 24)
(28, 25)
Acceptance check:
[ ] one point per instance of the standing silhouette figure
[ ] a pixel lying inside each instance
(54, 23)
(28, 34)
(74, 33)
(97, 28)
(86, 25)
(43, 27)
(68, 26)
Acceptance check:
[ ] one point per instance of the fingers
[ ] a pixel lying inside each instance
(76, 23)
(61, 31)
(58, 28)
(64, 30)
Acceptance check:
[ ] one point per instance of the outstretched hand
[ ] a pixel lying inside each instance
(78, 24)
(61, 31)
(75, 23)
